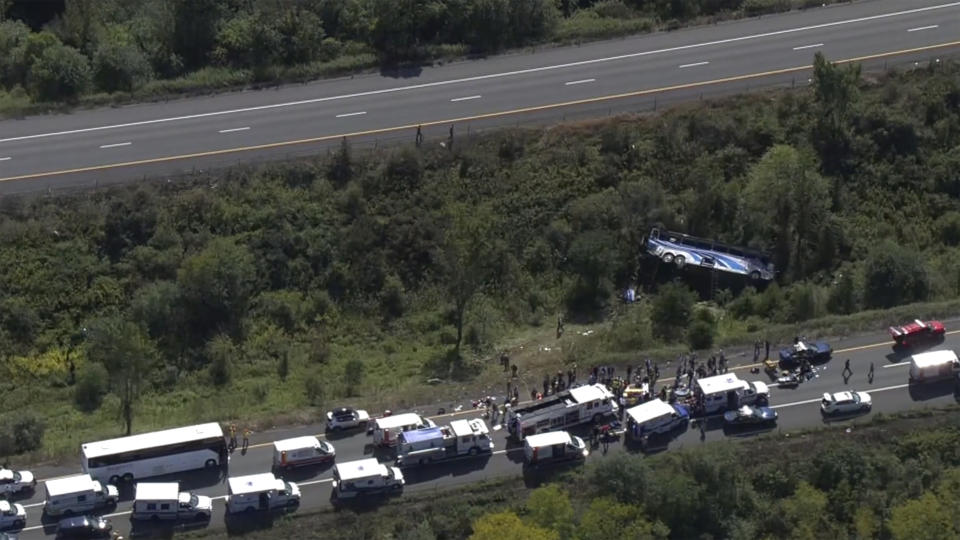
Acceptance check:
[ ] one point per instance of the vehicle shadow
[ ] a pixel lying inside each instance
(932, 390)
(300, 474)
(456, 467)
(159, 529)
(340, 434)
(250, 522)
(842, 417)
(744, 432)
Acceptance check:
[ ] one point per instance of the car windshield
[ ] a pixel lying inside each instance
(16, 476)
(855, 398)
(194, 500)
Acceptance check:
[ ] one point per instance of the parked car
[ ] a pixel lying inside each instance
(845, 402)
(85, 527)
(346, 418)
(750, 416)
(16, 481)
(7, 536)
(12, 515)
(917, 333)
(812, 352)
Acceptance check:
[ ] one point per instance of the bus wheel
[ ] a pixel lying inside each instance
(668, 258)
(114, 479)
(680, 260)
(19, 524)
(473, 451)
(755, 275)
(128, 478)
(211, 464)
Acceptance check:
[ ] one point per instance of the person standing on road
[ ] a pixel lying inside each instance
(246, 438)
(233, 436)
(420, 136)
(870, 374)
(847, 372)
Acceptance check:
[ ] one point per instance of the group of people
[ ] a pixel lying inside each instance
(233, 438)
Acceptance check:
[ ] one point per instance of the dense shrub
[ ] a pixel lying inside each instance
(91, 386)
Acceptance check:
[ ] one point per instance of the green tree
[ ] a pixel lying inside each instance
(592, 256)
(248, 40)
(549, 507)
(924, 518)
(340, 168)
(700, 335)
(392, 297)
(507, 526)
(606, 518)
(893, 276)
(128, 355)
(61, 73)
(353, 372)
(314, 390)
(194, 31)
(216, 286)
(786, 200)
(301, 35)
(466, 256)
(672, 310)
(835, 94)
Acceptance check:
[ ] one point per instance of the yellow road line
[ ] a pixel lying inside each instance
(511, 112)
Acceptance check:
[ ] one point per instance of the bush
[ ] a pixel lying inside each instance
(392, 298)
(352, 376)
(220, 352)
(843, 295)
(893, 276)
(672, 309)
(91, 386)
(120, 67)
(700, 335)
(60, 74)
(20, 434)
(948, 228)
(314, 390)
(752, 8)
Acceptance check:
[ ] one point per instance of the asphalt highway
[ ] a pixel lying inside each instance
(115, 144)
(798, 409)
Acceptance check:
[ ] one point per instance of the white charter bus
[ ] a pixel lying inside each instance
(154, 454)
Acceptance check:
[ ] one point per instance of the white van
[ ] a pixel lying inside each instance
(301, 452)
(77, 494)
(163, 500)
(655, 416)
(365, 477)
(933, 366)
(553, 446)
(386, 429)
(260, 492)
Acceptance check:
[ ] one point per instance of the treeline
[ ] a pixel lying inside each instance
(315, 281)
(899, 488)
(122, 45)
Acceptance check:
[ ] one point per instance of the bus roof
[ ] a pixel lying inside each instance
(399, 420)
(152, 439)
(361, 468)
(157, 491)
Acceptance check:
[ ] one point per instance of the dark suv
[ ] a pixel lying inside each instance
(85, 527)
